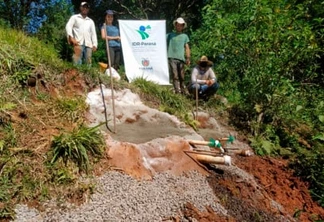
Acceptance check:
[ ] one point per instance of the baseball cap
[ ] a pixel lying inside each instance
(109, 12)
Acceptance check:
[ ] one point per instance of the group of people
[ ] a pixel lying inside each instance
(203, 79)
(82, 35)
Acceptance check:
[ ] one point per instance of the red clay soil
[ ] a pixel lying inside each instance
(278, 181)
(242, 199)
(169, 158)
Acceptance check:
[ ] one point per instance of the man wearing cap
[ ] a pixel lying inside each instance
(81, 33)
(178, 54)
(203, 79)
(111, 33)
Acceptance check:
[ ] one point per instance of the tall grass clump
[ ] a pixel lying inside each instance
(22, 56)
(77, 146)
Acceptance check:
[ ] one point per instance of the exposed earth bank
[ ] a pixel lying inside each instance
(147, 143)
(252, 189)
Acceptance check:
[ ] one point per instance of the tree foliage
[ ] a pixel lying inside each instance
(270, 49)
(152, 9)
(272, 55)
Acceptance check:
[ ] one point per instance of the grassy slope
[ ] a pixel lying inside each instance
(29, 119)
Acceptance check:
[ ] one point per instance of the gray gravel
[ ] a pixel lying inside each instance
(119, 197)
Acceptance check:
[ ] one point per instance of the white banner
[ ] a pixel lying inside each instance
(144, 50)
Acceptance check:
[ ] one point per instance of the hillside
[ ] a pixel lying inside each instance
(147, 170)
(252, 189)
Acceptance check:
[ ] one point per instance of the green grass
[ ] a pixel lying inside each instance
(18, 49)
(77, 146)
(25, 169)
(72, 109)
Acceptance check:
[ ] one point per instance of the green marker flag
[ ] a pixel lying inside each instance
(214, 143)
(230, 139)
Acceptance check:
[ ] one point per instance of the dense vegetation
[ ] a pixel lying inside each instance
(270, 57)
(269, 60)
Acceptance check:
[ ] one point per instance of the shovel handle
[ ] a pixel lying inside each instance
(199, 142)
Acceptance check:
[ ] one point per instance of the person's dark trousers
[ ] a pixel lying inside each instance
(115, 56)
(176, 69)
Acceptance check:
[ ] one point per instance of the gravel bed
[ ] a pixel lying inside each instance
(119, 197)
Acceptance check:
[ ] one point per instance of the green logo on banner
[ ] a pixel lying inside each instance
(142, 31)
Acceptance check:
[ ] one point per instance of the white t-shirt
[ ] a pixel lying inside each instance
(201, 76)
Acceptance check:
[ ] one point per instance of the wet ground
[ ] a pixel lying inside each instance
(142, 131)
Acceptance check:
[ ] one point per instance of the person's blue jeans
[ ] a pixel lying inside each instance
(81, 53)
(204, 91)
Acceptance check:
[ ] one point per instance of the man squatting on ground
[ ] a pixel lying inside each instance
(177, 45)
(203, 79)
(81, 33)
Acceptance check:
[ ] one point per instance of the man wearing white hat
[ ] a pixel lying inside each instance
(178, 54)
(81, 33)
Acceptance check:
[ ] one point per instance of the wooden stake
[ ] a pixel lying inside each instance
(111, 79)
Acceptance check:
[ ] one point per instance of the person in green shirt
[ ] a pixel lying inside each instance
(178, 52)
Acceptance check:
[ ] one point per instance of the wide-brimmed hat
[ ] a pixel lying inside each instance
(204, 59)
(180, 21)
(109, 12)
(85, 4)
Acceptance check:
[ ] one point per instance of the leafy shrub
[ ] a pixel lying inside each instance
(310, 167)
(262, 147)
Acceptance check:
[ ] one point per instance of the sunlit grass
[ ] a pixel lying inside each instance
(29, 49)
(166, 100)
(72, 109)
(77, 146)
